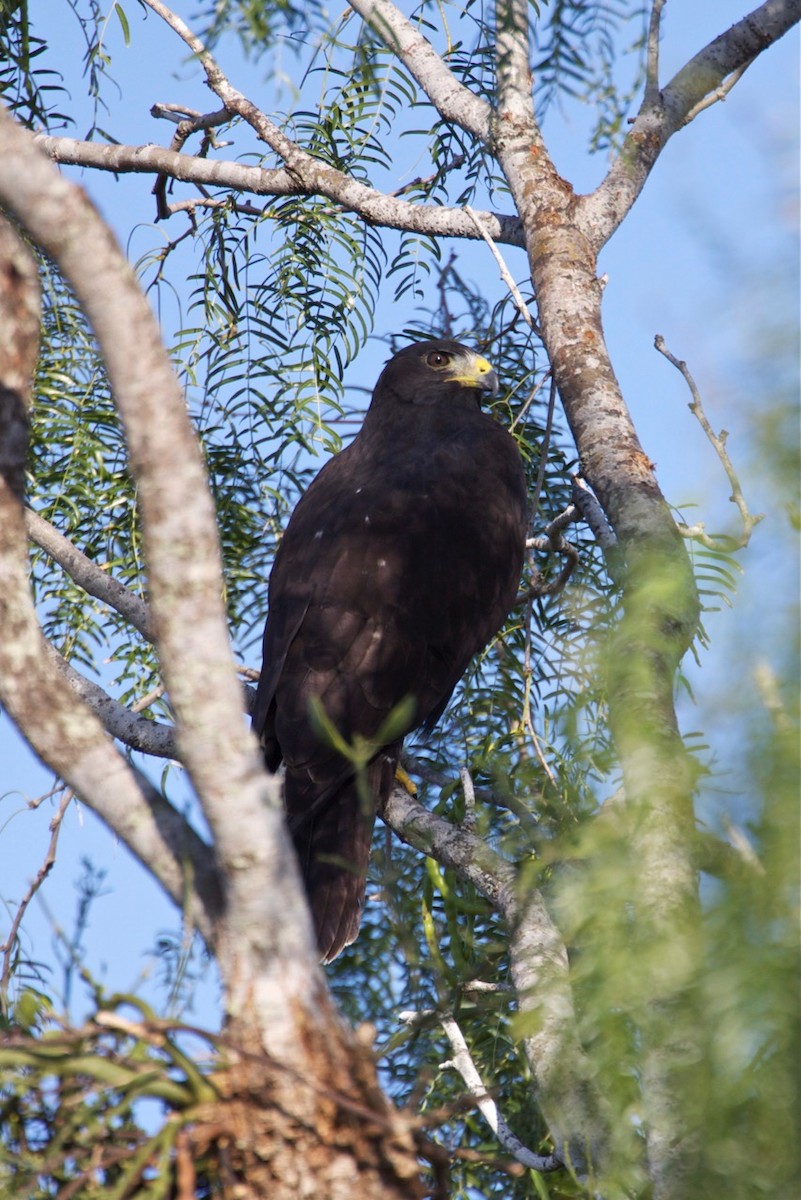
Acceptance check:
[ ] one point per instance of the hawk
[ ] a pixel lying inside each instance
(399, 563)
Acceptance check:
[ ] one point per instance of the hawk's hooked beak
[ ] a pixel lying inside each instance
(473, 371)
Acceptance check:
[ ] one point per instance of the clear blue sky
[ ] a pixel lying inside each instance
(688, 263)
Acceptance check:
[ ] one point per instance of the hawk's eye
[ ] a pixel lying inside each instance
(438, 358)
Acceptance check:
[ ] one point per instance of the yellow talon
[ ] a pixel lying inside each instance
(403, 779)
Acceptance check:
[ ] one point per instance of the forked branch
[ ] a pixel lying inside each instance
(713, 541)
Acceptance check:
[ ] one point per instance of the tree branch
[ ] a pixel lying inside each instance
(463, 1063)
(539, 971)
(662, 114)
(652, 53)
(513, 69)
(88, 575)
(313, 177)
(266, 937)
(718, 443)
(7, 949)
(66, 734)
(137, 733)
(318, 179)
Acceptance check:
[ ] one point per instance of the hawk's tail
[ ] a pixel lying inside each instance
(333, 847)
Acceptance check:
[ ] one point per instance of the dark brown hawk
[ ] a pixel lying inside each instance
(398, 565)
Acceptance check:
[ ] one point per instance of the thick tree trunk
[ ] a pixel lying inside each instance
(316, 1127)
(659, 620)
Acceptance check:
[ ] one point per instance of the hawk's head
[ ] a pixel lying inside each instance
(433, 372)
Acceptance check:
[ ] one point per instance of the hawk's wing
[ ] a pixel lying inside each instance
(399, 563)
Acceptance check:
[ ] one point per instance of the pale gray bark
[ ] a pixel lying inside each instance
(66, 734)
(265, 945)
(92, 578)
(309, 178)
(665, 112)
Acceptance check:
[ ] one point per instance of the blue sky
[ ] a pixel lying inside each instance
(687, 263)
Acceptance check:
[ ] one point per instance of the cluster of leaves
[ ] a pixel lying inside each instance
(31, 88)
(78, 481)
(578, 54)
(71, 1102)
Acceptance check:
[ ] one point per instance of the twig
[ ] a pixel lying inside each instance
(508, 803)
(170, 208)
(462, 1062)
(149, 698)
(544, 448)
(714, 541)
(529, 401)
(506, 274)
(538, 963)
(652, 62)
(469, 790)
(553, 542)
(7, 949)
(192, 122)
(720, 93)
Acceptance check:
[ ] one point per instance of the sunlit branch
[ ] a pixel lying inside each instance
(718, 442)
(267, 931)
(506, 274)
(513, 69)
(312, 176)
(462, 1062)
(315, 178)
(652, 53)
(63, 731)
(720, 93)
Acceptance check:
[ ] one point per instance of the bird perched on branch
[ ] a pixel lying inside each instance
(400, 562)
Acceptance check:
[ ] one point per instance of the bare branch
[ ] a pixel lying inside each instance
(7, 949)
(265, 936)
(137, 733)
(719, 94)
(506, 274)
(88, 575)
(463, 1063)
(652, 58)
(715, 541)
(312, 176)
(316, 179)
(661, 115)
(733, 51)
(593, 514)
(553, 543)
(153, 160)
(513, 69)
